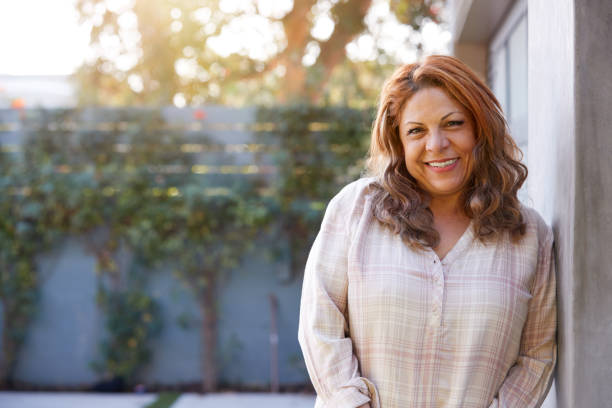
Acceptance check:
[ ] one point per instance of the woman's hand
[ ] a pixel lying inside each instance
(366, 405)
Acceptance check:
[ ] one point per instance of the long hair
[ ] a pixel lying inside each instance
(490, 196)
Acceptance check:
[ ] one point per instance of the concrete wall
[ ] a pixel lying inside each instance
(68, 325)
(551, 153)
(65, 336)
(593, 226)
(570, 146)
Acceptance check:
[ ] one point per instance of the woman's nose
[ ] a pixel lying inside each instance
(436, 141)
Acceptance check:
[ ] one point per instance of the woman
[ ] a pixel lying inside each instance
(429, 284)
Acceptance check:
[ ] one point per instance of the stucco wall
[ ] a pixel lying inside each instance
(570, 151)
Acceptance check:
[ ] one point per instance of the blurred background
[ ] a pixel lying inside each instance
(165, 165)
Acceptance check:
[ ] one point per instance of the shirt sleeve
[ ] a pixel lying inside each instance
(529, 379)
(323, 328)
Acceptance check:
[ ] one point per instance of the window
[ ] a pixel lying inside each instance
(508, 75)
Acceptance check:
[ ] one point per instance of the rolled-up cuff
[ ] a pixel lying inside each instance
(355, 393)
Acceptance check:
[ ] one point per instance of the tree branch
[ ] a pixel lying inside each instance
(349, 18)
(297, 25)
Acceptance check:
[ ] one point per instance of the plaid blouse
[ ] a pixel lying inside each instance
(399, 327)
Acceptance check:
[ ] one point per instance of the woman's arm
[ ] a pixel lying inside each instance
(323, 328)
(529, 380)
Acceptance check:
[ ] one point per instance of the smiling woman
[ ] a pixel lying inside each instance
(463, 121)
(437, 136)
(429, 284)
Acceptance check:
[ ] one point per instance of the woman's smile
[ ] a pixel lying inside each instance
(438, 140)
(443, 165)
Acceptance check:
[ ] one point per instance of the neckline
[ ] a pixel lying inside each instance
(462, 243)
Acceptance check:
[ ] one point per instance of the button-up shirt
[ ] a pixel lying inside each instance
(396, 326)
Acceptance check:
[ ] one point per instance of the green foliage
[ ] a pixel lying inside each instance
(101, 175)
(213, 232)
(70, 179)
(26, 229)
(133, 318)
(319, 151)
(164, 400)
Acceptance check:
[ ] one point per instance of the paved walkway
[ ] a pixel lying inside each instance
(96, 400)
(10, 399)
(225, 400)
(241, 400)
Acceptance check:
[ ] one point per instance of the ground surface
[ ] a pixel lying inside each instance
(92, 400)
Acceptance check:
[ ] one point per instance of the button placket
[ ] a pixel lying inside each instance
(437, 292)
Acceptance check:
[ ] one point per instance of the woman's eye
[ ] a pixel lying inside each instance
(414, 131)
(455, 123)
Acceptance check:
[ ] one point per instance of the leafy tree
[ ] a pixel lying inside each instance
(212, 232)
(77, 182)
(118, 166)
(24, 233)
(153, 51)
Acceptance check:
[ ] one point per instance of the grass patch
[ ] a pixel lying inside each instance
(164, 400)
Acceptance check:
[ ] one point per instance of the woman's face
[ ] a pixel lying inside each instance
(438, 139)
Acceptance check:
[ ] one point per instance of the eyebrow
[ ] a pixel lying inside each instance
(443, 117)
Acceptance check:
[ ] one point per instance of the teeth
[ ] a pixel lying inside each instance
(443, 164)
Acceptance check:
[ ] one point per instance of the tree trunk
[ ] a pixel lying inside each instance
(4, 353)
(297, 30)
(333, 50)
(208, 309)
(295, 79)
(274, 381)
(9, 349)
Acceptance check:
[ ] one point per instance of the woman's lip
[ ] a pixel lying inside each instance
(441, 160)
(450, 167)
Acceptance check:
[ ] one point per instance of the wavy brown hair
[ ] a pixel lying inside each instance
(490, 197)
